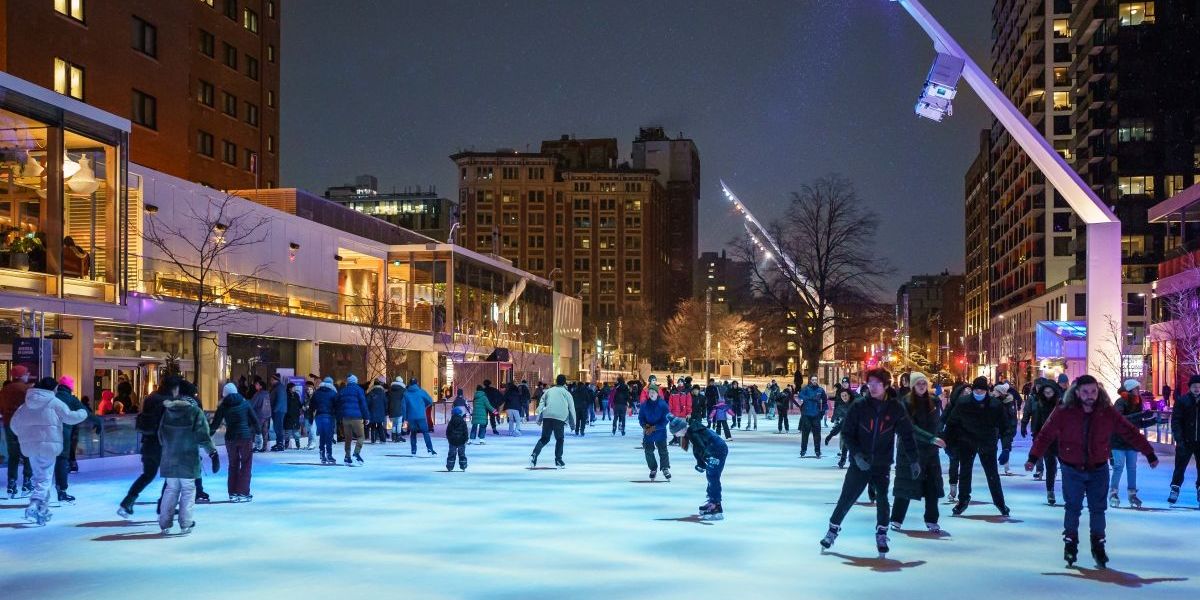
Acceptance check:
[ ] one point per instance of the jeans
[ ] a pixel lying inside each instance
(264, 434)
(1050, 461)
(293, 435)
(311, 428)
(179, 494)
(352, 430)
(151, 458)
(479, 429)
(857, 480)
(459, 451)
(784, 424)
(421, 426)
(966, 465)
(1076, 485)
(664, 458)
(810, 426)
(1124, 460)
(619, 419)
(551, 427)
(751, 419)
(605, 413)
(1184, 453)
(591, 411)
(514, 421)
(13, 448)
(241, 465)
(43, 471)
(713, 474)
(397, 426)
(280, 435)
(325, 434)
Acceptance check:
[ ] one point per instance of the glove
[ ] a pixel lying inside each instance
(916, 470)
(862, 463)
(1004, 457)
(712, 462)
(648, 430)
(699, 469)
(216, 462)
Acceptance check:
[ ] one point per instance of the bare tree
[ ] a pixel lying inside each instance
(1112, 355)
(378, 330)
(196, 244)
(1182, 326)
(683, 334)
(828, 235)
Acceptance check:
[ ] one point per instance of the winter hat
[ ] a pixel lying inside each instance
(1002, 388)
(399, 380)
(46, 383)
(352, 380)
(677, 425)
(1063, 379)
(1130, 385)
(230, 389)
(460, 411)
(652, 379)
(381, 380)
(916, 376)
(327, 380)
(980, 383)
(1193, 380)
(67, 381)
(19, 371)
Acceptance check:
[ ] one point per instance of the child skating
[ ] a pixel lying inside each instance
(457, 435)
(710, 452)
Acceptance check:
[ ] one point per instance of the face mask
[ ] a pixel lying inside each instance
(979, 396)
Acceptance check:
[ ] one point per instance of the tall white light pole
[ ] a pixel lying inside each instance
(1103, 282)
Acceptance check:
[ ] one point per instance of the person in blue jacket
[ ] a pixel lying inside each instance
(351, 407)
(813, 405)
(416, 400)
(710, 452)
(279, 404)
(322, 413)
(654, 419)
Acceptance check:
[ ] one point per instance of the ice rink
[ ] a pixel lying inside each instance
(403, 527)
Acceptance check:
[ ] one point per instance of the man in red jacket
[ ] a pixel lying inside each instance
(1083, 427)
(12, 396)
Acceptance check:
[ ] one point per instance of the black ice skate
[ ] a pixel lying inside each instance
(1174, 495)
(1070, 551)
(65, 497)
(667, 474)
(961, 507)
(881, 539)
(358, 458)
(1050, 499)
(653, 474)
(560, 464)
(532, 462)
(713, 512)
(202, 498)
(125, 510)
(12, 489)
(1134, 501)
(830, 536)
(1098, 552)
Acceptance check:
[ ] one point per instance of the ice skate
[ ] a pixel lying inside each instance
(953, 495)
(560, 464)
(188, 529)
(1173, 497)
(202, 498)
(667, 474)
(12, 489)
(164, 531)
(1037, 475)
(349, 463)
(961, 507)
(1070, 551)
(65, 497)
(432, 452)
(653, 474)
(714, 513)
(1005, 511)
(125, 510)
(1134, 501)
(933, 527)
(894, 525)
(532, 462)
(1050, 499)
(830, 536)
(1114, 501)
(881, 539)
(1098, 552)
(26, 488)
(358, 458)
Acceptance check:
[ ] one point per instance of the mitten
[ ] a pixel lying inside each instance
(699, 469)
(216, 462)
(712, 462)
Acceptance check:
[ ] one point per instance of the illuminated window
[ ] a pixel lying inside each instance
(250, 20)
(68, 79)
(1135, 130)
(270, 143)
(1136, 13)
(70, 8)
(271, 98)
(1062, 100)
(1062, 28)
(1139, 185)
(271, 52)
(583, 242)
(1062, 76)
(608, 264)
(1174, 184)
(633, 286)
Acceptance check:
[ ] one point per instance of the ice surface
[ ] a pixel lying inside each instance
(401, 527)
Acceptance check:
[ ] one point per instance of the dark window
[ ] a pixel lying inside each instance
(251, 67)
(229, 152)
(231, 10)
(231, 55)
(1137, 304)
(231, 105)
(1062, 222)
(252, 114)
(145, 110)
(1062, 246)
(1062, 125)
(145, 37)
(1080, 305)
(1062, 52)
(204, 143)
(206, 93)
(208, 44)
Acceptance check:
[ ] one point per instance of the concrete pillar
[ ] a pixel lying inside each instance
(75, 356)
(308, 358)
(430, 378)
(1105, 329)
(212, 361)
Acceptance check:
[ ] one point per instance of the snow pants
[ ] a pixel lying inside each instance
(325, 434)
(179, 496)
(458, 451)
(784, 424)
(722, 424)
(1078, 484)
(857, 480)
(43, 472)
(663, 457)
(619, 419)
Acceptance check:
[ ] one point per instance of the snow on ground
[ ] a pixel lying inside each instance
(402, 527)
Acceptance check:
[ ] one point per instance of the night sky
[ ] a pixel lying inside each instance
(773, 93)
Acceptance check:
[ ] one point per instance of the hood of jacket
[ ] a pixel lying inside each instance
(233, 399)
(1070, 399)
(179, 404)
(37, 398)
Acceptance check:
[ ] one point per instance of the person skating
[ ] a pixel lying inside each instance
(147, 426)
(784, 400)
(513, 400)
(1124, 456)
(377, 406)
(38, 422)
(1046, 396)
(495, 399)
(1083, 427)
(261, 402)
(182, 434)
(925, 411)
(310, 427)
(621, 397)
(754, 405)
(654, 419)
(1185, 431)
(870, 430)
(322, 412)
(582, 396)
(481, 407)
(712, 395)
(974, 428)
(814, 403)
(395, 397)
(416, 403)
(556, 409)
(62, 465)
(719, 418)
(841, 404)
(240, 426)
(352, 413)
(457, 436)
(279, 405)
(1009, 401)
(734, 398)
(710, 452)
(12, 396)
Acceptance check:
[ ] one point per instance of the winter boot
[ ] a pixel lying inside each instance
(1050, 499)
(1174, 496)
(881, 539)
(667, 474)
(1134, 501)
(953, 496)
(12, 489)
(1098, 552)
(1070, 550)
(1114, 500)
(63, 496)
(831, 536)
(125, 510)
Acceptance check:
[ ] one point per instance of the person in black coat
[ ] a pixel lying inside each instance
(974, 427)
(581, 395)
(457, 434)
(291, 418)
(395, 400)
(241, 425)
(622, 396)
(871, 429)
(495, 398)
(377, 409)
(925, 411)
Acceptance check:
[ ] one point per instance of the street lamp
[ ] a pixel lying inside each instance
(1103, 266)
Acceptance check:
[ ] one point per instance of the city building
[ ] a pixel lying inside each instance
(729, 280)
(977, 278)
(678, 164)
(204, 103)
(921, 305)
(419, 210)
(1174, 338)
(591, 226)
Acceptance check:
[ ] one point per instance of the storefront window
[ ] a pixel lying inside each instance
(24, 206)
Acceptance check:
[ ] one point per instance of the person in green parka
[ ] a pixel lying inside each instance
(182, 432)
(925, 411)
(480, 409)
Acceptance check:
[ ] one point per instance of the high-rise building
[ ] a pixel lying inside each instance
(678, 164)
(593, 230)
(977, 279)
(729, 280)
(199, 79)
(927, 309)
(420, 210)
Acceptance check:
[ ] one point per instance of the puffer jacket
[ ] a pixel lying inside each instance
(240, 422)
(653, 418)
(480, 407)
(183, 431)
(12, 396)
(872, 428)
(377, 403)
(720, 412)
(457, 432)
(979, 423)
(416, 400)
(39, 421)
(1038, 407)
(351, 403)
(680, 403)
(1131, 409)
(1185, 426)
(395, 397)
(813, 401)
(291, 418)
(323, 402)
